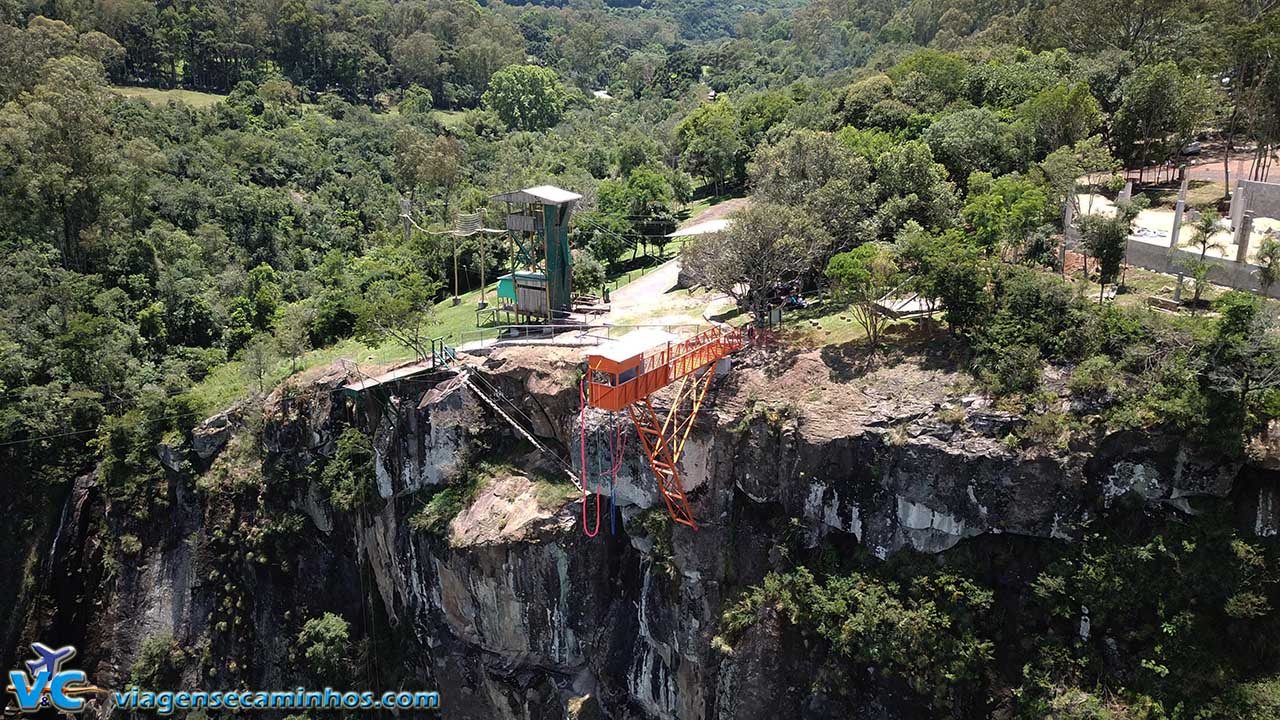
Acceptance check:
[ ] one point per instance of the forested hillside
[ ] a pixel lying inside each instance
(150, 244)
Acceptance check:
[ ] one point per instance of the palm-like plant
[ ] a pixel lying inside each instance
(1268, 259)
(1203, 230)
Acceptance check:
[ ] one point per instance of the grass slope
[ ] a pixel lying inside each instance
(156, 96)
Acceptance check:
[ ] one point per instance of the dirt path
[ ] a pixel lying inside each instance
(655, 300)
(717, 211)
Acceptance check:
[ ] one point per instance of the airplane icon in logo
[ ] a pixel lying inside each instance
(49, 659)
(47, 684)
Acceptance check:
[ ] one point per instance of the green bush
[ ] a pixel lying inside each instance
(444, 505)
(348, 477)
(928, 632)
(1042, 310)
(130, 470)
(1014, 369)
(1245, 701)
(324, 643)
(1097, 374)
(588, 273)
(159, 663)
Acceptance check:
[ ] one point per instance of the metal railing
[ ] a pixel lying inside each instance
(442, 355)
(595, 334)
(662, 366)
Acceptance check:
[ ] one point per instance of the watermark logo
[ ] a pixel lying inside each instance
(45, 684)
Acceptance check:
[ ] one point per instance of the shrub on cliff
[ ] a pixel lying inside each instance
(928, 632)
(348, 478)
(323, 644)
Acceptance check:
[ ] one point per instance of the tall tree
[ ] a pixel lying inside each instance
(861, 277)
(909, 186)
(1062, 115)
(526, 97)
(1005, 213)
(1160, 110)
(977, 139)
(1248, 33)
(765, 245)
(1146, 29)
(709, 139)
(1106, 239)
(819, 173)
(401, 310)
(417, 60)
(57, 149)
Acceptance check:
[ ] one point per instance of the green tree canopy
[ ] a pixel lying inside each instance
(818, 173)
(1160, 109)
(1005, 213)
(765, 245)
(324, 643)
(710, 139)
(1062, 115)
(861, 277)
(977, 139)
(526, 97)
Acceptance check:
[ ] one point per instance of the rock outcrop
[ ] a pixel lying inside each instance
(511, 611)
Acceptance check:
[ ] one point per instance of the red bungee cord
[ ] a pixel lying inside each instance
(582, 423)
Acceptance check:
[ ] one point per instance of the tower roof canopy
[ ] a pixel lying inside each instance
(541, 195)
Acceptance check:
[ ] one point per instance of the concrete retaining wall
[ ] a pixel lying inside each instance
(1228, 273)
(1260, 198)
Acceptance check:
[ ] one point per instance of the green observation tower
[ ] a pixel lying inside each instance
(538, 226)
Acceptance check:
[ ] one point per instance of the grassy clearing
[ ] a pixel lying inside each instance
(1200, 194)
(1140, 284)
(701, 205)
(230, 382)
(450, 118)
(822, 323)
(552, 494)
(627, 270)
(156, 96)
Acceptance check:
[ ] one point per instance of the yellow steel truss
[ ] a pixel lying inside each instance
(664, 440)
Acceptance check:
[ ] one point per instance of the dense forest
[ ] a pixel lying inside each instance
(148, 243)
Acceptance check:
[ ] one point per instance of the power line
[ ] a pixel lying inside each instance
(95, 430)
(104, 400)
(516, 408)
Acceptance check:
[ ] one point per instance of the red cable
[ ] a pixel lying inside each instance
(582, 422)
(617, 454)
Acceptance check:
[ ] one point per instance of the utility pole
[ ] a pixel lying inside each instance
(455, 299)
(405, 218)
(483, 243)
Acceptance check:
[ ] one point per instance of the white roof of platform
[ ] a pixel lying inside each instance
(702, 228)
(636, 342)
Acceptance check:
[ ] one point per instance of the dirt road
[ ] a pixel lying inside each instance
(655, 300)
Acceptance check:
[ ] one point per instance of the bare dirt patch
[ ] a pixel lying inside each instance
(837, 389)
(720, 210)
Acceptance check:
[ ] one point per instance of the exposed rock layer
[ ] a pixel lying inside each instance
(513, 612)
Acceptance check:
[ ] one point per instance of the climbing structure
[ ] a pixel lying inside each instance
(538, 225)
(625, 373)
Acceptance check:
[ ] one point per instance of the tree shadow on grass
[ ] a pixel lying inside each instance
(923, 340)
(726, 316)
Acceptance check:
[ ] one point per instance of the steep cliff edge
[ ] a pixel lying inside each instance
(507, 608)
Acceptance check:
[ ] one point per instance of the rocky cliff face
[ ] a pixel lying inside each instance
(510, 610)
